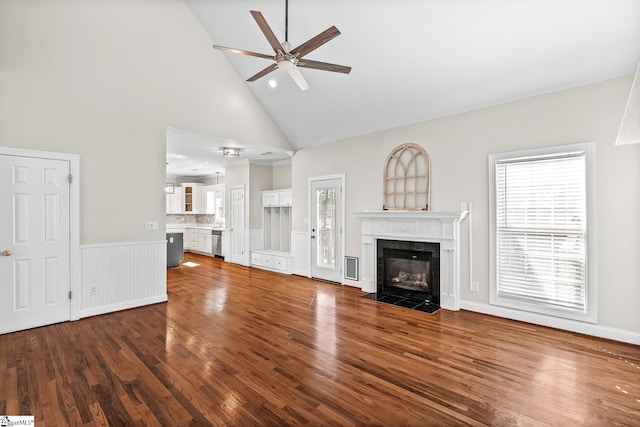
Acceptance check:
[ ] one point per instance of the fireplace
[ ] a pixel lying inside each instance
(408, 271)
(437, 232)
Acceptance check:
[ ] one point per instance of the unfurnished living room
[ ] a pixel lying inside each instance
(295, 212)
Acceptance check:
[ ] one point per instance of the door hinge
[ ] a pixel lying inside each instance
(69, 294)
(70, 178)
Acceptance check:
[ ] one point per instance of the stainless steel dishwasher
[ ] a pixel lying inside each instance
(216, 242)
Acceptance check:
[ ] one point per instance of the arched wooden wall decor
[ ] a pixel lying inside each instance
(407, 179)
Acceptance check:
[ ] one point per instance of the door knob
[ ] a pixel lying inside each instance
(7, 252)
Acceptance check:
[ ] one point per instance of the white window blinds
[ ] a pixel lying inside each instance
(540, 214)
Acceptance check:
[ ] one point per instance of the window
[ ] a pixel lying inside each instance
(541, 229)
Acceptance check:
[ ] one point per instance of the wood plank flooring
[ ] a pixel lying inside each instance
(245, 347)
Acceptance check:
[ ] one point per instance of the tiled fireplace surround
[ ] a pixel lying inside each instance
(417, 226)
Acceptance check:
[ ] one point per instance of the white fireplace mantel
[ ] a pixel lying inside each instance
(418, 226)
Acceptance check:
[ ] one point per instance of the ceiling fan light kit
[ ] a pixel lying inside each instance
(289, 59)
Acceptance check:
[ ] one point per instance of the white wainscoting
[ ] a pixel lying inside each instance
(256, 236)
(301, 251)
(119, 276)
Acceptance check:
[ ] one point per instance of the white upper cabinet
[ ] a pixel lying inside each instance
(286, 197)
(174, 201)
(277, 198)
(192, 201)
(185, 199)
(269, 198)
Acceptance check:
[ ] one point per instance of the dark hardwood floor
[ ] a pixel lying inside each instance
(242, 346)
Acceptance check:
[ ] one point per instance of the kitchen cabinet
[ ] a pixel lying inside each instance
(204, 241)
(192, 198)
(188, 238)
(174, 201)
(185, 199)
(198, 240)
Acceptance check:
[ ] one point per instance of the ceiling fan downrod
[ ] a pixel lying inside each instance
(286, 21)
(285, 44)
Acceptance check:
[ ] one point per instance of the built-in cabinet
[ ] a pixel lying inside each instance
(277, 198)
(198, 240)
(174, 201)
(204, 241)
(185, 199)
(192, 201)
(276, 232)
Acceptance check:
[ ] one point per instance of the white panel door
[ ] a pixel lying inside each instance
(236, 225)
(34, 242)
(326, 229)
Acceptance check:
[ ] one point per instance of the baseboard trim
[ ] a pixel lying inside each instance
(95, 311)
(302, 273)
(351, 282)
(600, 331)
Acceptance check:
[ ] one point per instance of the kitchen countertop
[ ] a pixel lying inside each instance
(176, 227)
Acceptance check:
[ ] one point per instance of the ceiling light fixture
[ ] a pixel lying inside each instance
(230, 152)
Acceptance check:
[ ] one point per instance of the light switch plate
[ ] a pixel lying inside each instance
(151, 225)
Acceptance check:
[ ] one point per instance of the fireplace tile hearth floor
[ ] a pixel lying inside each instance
(403, 302)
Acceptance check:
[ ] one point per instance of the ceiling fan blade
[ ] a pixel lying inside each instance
(315, 42)
(325, 66)
(264, 72)
(297, 77)
(243, 52)
(266, 30)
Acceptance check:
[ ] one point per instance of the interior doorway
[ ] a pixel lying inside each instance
(38, 238)
(236, 225)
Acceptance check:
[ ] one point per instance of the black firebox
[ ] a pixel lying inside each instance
(409, 274)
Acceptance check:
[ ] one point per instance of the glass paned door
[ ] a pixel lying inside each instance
(326, 230)
(326, 227)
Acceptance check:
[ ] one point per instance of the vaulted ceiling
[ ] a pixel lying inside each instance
(415, 60)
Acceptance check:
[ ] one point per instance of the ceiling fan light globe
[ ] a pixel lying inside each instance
(286, 65)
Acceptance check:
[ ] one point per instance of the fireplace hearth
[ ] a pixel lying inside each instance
(408, 274)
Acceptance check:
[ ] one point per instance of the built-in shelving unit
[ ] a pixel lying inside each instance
(277, 228)
(276, 232)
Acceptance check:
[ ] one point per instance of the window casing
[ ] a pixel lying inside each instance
(542, 224)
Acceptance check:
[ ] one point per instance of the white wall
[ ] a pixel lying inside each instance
(104, 79)
(282, 175)
(261, 178)
(459, 146)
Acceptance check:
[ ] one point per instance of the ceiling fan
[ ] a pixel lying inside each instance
(289, 59)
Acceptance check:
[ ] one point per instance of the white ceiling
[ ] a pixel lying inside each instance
(194, 154)
(415, 60)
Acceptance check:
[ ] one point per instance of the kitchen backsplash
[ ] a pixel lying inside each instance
(190, 219)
